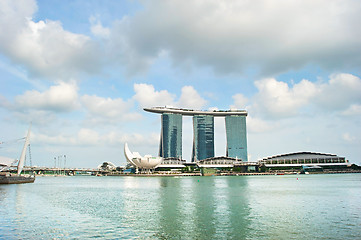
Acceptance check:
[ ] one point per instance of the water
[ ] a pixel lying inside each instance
(239, 207)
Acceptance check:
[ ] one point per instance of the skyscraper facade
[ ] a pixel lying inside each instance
(171, 136)
(236, 137)
(203, 137)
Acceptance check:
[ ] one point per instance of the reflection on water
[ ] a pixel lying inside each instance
(203, 208)
(262, 207)
(239, 208)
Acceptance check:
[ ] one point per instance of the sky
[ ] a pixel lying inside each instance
(81, 72)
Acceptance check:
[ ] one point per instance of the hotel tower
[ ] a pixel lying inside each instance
(203, 132)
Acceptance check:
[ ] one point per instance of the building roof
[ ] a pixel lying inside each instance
(218, 158)
(300, 155)
(191, 112)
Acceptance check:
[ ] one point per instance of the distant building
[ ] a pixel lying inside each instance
(218, 162)
(300, 159)
(203, 132)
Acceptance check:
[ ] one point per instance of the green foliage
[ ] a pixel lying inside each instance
(355, 167)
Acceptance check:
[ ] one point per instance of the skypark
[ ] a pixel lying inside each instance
(191, 112)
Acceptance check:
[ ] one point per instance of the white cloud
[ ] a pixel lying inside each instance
(36, 117)
(230, 36)
(107, 109)
(277, 99)
(42, 107)
(59, 98)
(341, 91)
(147, 96)
(97, 28)
(213, 109)
(227, 36)
(83, 137)
(4, 103)
(191, 99)
(240, 101)
(14, 15)
(347, 137)
(90, 137)
(258, 125)
(44, 47)
(354, 109)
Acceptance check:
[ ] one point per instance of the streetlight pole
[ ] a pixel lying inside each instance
(64, 163)
(59, 165)
(54, 165)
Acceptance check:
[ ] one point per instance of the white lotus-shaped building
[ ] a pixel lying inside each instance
(146, 162)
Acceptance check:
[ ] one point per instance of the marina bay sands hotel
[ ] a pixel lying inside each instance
(203, 133)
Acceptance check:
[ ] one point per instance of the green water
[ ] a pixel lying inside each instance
(239, 207)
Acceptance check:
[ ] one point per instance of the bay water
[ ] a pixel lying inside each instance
(322, 206)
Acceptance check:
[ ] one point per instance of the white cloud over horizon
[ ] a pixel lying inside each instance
(59, 98)
(108, 110)
(86, 137)
(276, 99)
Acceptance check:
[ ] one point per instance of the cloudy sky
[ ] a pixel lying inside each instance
(82, 71)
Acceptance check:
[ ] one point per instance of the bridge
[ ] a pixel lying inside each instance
(63, 171)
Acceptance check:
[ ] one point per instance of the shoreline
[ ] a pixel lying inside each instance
(199, 174)
(226, 174)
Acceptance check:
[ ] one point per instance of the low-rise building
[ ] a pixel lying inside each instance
(300, 159)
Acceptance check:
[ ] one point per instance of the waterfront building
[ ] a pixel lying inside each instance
(300, 159)
(203, 132)
(146, 162)
(172, 163)
(203, 137)
(218, 162)
(236, 133)
(171, 136)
